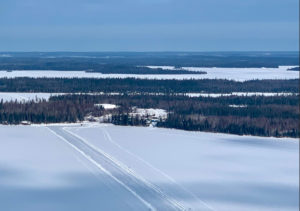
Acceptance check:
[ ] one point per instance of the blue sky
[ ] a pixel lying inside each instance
(149, 25)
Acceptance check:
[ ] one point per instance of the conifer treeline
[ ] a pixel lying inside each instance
(263, 116)
(43, 111)
(85, 85)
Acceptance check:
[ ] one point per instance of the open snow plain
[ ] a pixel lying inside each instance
(238, 74)
(106, 167)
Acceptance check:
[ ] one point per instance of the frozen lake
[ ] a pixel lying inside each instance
(97, 166)
(238, 74)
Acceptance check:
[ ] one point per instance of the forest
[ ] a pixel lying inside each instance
(93, 60)
(132, 85)
(91, 67)
(294, 69)
(258, 115)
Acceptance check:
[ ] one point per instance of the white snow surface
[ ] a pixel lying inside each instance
(25, 96)
(12, 96)
(159, 113)
(246, 94)
(106, 167)
(107, 106)
(238, 74)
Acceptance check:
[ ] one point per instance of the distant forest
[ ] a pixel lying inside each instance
(95, 60)
(131, 85)
(92, 68)
(294, 69)
(262, 116)
(258, 115)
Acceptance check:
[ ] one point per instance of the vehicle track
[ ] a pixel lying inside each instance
(150, 195)
(176, 186)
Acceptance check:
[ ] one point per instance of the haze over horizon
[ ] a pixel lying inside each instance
(149, 25)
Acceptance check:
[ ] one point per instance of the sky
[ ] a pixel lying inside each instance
(149, 25)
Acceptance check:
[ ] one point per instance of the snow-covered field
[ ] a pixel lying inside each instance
(239, 74)
(105, 167)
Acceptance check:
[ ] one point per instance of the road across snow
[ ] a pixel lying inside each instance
(106, 167)
(150, 195)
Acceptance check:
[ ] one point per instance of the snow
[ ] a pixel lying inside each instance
(162, 67)
(248, 94)
(238, 74)
(226, 172)
(107, 106)
(25, 96)
(101, 166)
(39, 171)
(237, 106)
(158, 113)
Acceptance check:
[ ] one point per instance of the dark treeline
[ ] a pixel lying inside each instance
(42, 111)
(127, 119)
(91, 67)
(122, 69)
(263, 116)
(258, 106)
(276, 127)
(92, 60)
(85, 85)
(294, 69)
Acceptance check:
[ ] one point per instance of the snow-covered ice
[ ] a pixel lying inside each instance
(238, 74)
(99, 166)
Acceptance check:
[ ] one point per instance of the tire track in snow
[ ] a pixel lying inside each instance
(147, 193)
(109, 138)
(147, 204)
(131, 172)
